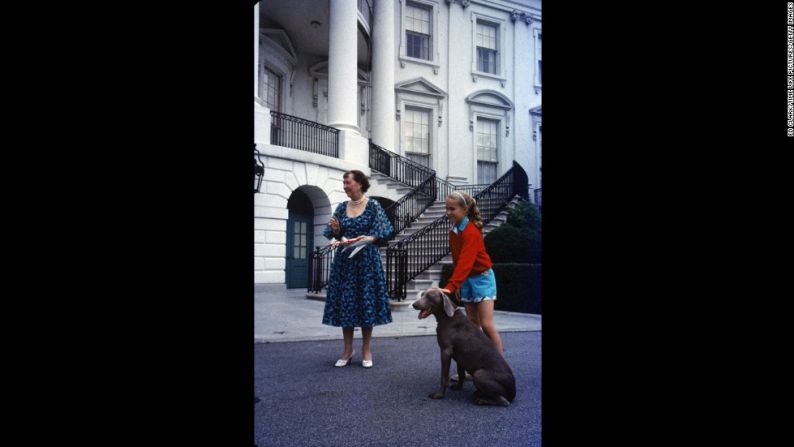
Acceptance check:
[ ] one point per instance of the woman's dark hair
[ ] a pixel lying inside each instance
(360, 178)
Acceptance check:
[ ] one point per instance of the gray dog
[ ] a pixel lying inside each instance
(473, 351)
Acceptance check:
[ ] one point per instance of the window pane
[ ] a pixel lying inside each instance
(487, 142)
(486, 172)
(423, 160)
(417, 19)
(417, 45)
(486, 60)
(417, 131)
(486, 36)
(273, 89)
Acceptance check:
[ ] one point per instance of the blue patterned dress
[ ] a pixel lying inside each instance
(357, 294)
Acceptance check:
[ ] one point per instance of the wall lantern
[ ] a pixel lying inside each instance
(259, 170)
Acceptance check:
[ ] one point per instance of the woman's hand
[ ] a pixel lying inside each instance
(334, 225)
(358, 238)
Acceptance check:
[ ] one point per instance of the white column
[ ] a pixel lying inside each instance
(383, 54)
(256, 48)
(343, 66)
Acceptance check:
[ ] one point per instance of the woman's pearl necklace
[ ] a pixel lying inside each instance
(357, 202)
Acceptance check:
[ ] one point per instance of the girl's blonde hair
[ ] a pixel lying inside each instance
(465, 200)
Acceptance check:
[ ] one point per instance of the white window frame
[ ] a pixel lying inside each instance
(280, 58)
(433, 62)
(263, 87)
(501, 44)
(429, 105)
(500, 141)
(431, 138)
(536, 37)
(536, 117)
(496, 106)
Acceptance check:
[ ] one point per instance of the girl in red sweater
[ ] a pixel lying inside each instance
(473, 279)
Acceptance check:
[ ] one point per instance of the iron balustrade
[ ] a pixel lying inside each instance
(398, 167)
(411, 256)
(472, 190)
(298, 133)
(408, 208)
(320, 268)
(401, 213)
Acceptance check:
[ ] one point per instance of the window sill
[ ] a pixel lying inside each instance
(404, 59)
(476, 74)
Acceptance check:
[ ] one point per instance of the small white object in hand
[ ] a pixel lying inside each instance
(358, 245)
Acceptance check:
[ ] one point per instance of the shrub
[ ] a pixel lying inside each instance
(509, 243)
(525, 214)
(518, 286)
(516, 251)
(518, 239)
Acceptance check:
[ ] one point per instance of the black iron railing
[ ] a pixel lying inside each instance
(298, 133)
(472, 190)
(409, 207)
(409, 257)
(398, 167)
(320, 268)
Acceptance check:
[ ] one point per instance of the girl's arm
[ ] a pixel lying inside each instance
(464, 263)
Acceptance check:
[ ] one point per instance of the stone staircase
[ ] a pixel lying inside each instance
(383, 186)
(432, 275)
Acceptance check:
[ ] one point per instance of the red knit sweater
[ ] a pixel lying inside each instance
(468, 255)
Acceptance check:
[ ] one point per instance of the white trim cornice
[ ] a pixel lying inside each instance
(436, 92)
(475, 99)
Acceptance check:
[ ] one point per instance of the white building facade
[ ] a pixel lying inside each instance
(452, 85)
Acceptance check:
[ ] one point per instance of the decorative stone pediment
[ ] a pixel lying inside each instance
(420, 86)
(490, 98)
(491, 104)
(282, 43)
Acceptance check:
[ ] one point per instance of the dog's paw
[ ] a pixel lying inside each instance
(436, 395)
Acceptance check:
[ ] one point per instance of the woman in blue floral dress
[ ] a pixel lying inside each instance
(357, 294)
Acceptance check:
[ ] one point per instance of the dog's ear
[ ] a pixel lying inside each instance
(449, 306)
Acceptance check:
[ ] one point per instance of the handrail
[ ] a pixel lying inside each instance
(398, 167)
(430, 244)
(298, 133)
(409, 207)
(320, 268)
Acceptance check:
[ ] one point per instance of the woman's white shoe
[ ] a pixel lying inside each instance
(366, 363)
(342, 362)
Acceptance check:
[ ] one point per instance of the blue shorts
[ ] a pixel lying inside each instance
(479, 287)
